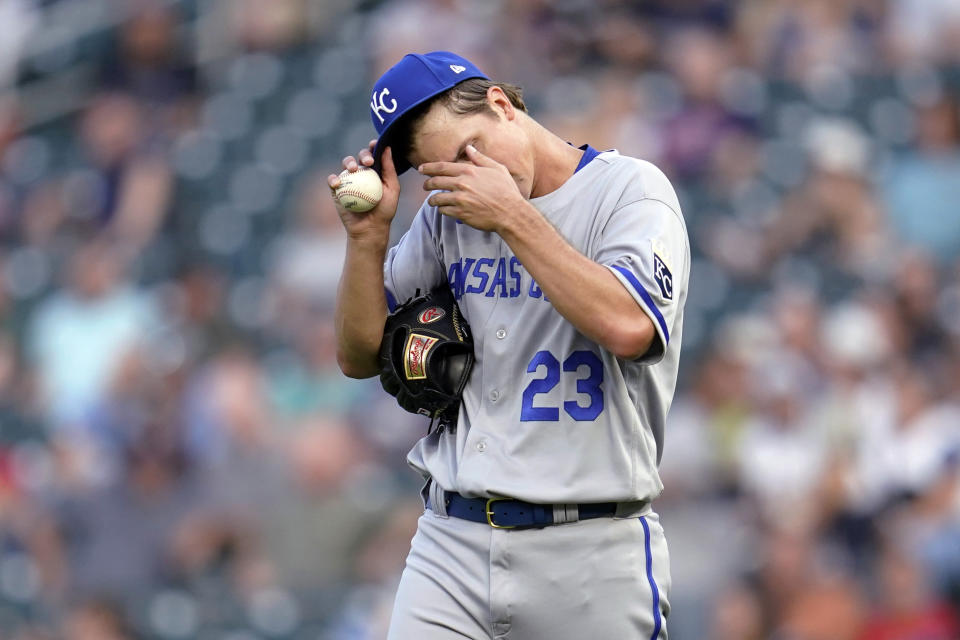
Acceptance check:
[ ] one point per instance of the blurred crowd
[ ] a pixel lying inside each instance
(180, 456)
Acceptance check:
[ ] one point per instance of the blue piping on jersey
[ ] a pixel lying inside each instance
(589, 153)
(657, 622)
(632, 279)
(391, 301)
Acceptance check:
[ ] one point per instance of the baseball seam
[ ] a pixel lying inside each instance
(358, 194)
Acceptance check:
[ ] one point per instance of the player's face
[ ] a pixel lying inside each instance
(444, 135)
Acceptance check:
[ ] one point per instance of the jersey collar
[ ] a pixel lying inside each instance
(589, 153)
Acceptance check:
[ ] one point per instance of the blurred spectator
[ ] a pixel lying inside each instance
(737, 614)
(226, 411)
(19, 19)
(797, 41)
(314, 537)
(97, 620)
(127, 188)
(196, 304)
(624, 40)
(835, 215)
(43, 215)
(606, 116)
(922, 186)
(830, 609)
(916, 288)
(783, 454)
(903, 454)
(254, 25)
(787, 568)
(906, 608)
(118, 538)
(698, 59)
(18, 410)
(11, 190)
(927, 527)
(307, 258)
(311, 382)
(148, 62)
(79, 336)
(706, 426)
(367, 610)
(450, 25)
(268, 24)
(924, 30)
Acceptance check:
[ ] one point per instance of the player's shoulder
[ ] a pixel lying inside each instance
(641, 179)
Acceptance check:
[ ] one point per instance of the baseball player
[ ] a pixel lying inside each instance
(570, 266)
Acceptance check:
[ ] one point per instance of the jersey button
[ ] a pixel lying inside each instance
(494, 395)
(501, 333)
(482, 446)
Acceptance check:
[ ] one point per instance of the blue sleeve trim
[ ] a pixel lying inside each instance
(391, 301)
(632, 279)
(657, 621)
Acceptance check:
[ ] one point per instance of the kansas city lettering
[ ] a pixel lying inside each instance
(501, 278)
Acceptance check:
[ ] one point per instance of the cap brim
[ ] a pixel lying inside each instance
(400, 164)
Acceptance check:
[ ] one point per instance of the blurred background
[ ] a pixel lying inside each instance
(180, 456)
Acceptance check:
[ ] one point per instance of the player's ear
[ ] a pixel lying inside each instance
(500, 102)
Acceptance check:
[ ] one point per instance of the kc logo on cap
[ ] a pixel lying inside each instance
(418, 77)
(377, 105)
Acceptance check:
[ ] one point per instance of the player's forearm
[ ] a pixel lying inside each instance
(587, 294)
(361, 307)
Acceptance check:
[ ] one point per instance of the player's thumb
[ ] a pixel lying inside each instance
(388, 171)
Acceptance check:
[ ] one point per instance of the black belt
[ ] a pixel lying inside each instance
(506, 513)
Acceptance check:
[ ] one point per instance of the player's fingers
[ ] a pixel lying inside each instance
(444, 183)
(443, 168)
(333, 181)
(477, 158)
(450, 211)
(350, 163)
(366, 155)
(443, 199)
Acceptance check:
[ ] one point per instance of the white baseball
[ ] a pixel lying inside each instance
(359, 191)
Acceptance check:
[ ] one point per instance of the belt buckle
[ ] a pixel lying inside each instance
(490, 515)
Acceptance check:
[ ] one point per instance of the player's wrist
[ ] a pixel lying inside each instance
(372, 236)
(521, 220)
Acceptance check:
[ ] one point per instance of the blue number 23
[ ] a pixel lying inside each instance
(589, 386)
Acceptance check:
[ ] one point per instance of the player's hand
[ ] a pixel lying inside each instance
(376, 222)
(481, 193)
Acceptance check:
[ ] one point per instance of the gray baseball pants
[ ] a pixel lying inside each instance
(599, 578)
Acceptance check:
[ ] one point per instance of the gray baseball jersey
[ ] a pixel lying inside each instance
(548, 415)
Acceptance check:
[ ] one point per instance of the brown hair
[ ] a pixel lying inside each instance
(467, 98)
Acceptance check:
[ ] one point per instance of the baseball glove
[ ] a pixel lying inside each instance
(426, 355)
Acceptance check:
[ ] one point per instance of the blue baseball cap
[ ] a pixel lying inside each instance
(412, 81)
